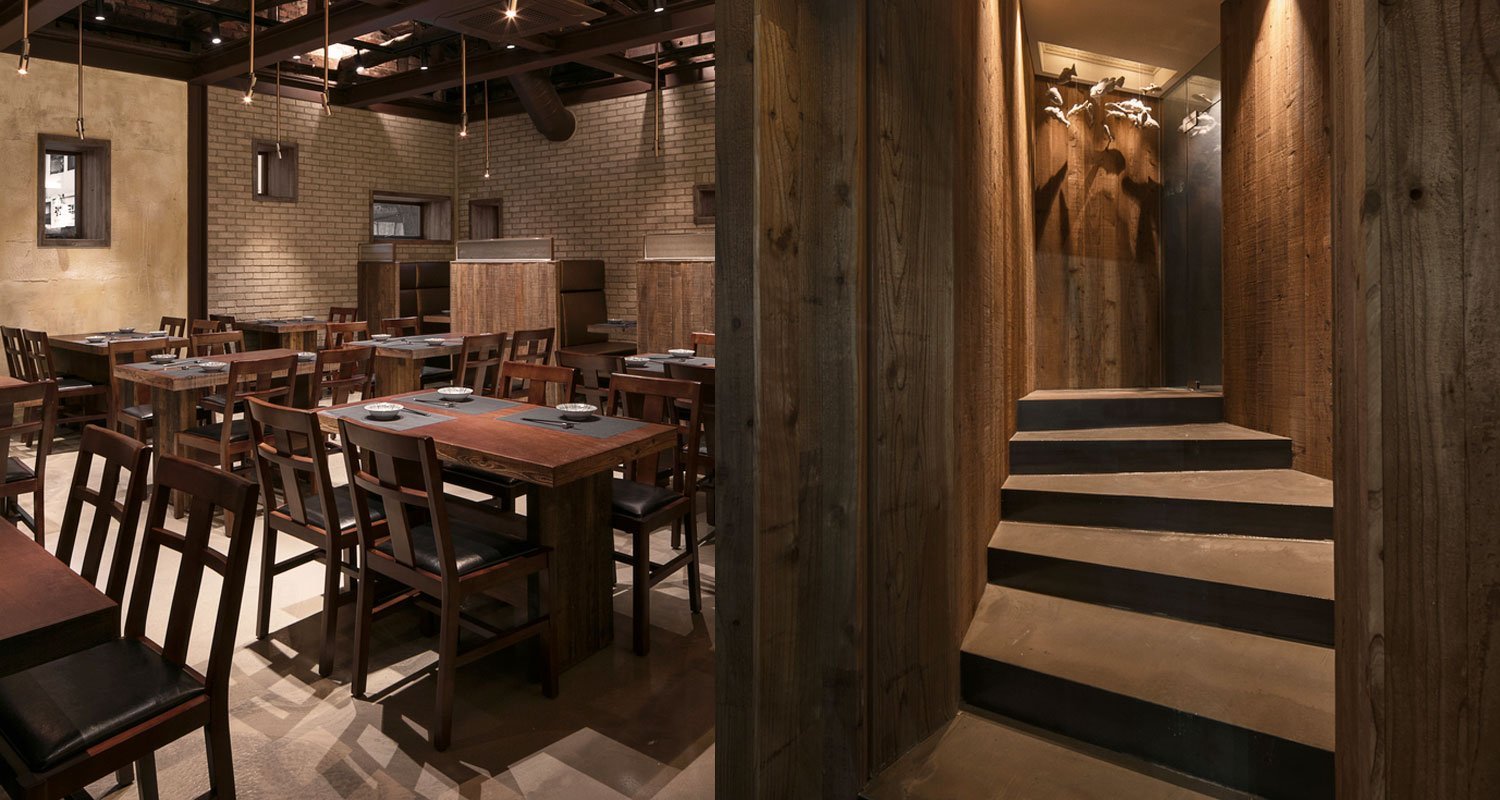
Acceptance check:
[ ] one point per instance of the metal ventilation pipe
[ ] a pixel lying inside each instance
(543, 104)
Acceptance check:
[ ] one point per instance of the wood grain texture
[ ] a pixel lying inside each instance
(1417, 223)
(46, 610)
(1098, 247)
(674, 299)
(501, 298)
(379, 288)
(1278, 327)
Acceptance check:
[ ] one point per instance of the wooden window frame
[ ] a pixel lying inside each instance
(94, 212)
(437, 216)
(281, 179)
(482, 206)
(705, 204)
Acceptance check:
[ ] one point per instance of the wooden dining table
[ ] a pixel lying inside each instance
(75, 355)
(46, 610)
(399, 361)
(290, 334)
(656, 364)
(569, 509)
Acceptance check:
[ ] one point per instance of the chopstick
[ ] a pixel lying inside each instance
(548, 422)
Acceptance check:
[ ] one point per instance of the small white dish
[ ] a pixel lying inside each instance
(163, 358)
(95, 339)
(212, 366)
(125, 330)
(306, 356)
(309, 318)
(156, 334)
(456, 393)
(384, 412)
(637, 359)
(678, 352)
(577, 412)
(436, 341)
(380, 337)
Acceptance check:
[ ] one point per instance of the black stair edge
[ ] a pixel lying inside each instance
(1075, 456)
(1173, 514)
(1118, 412)
(1261, 611)
(1219, 752)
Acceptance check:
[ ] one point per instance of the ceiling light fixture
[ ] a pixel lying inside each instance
(79, 123)
(359, 63)
(510, 12)
(423, 61)
(510, 47)
(463, 92)
(99, 15)
(327, 109)
(486, 129)
(215, 36)
(660, 9)
(250, 90)
(24, 67)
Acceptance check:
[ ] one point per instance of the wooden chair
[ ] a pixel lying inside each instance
(479, 360)
(75, 396)
(17, 363)
(436, 556)
(291, 458)
(121, 457)
(535, 382)
(641, 506)
(226, 321)
(19, 477)
(174, 326)
(342, 333)
(703, 343)
(130, 410)
(269, 379)
(343, 313)
(342, 372)
(707, 416)
(532, 347)
(198, 326)
(217, 343)
(592, 384)
(75, 720)
(401, 326)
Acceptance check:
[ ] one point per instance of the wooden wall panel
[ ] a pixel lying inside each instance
(674, 298)
(1417, 212)
(501, 298)
(1098, 247)
(379, 290)
(1278, 328)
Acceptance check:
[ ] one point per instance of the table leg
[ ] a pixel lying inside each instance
(574, 520)
(174, 412)
(301, 341)
(395, 375)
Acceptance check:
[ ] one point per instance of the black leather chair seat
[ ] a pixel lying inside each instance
(17, 470)
(143, 411)
(54, 711)
(239, 430)
(639, 500)
(68, 382)
(473, 548)
(430, 374)
(343, 504)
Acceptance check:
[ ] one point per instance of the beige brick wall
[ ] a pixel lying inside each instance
(600, 192)
(280, 258)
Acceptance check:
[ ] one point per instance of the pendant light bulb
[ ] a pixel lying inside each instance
(214, 36)
(510, 11)
(99, 15)
(24, 67)
(249, 92)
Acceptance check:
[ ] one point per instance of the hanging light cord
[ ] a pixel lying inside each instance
(656, 81)
(486, 128)
(278, 97)
(80, 72)
(25, 66)
(463, 92)
(250, 90)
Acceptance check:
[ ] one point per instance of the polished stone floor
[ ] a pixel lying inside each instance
(623, 727)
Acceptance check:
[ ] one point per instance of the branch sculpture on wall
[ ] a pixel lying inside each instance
(1137, 112)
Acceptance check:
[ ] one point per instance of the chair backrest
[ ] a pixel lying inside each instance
(119, 456)
(576, 311)
(123, 393)
(174, 326)
(403, 471)
(208, 491)
(342, 372)
(592, 383)
(656, 400)
(17, 424)
(198, 326)
(291, 460)
(342, 313)
(37, 349)
(226, 321)
(703, 343)
(342, 333)
(479, 360)
(532, 347)
(530, 382)
(17, 364)
(401, 326)
(269, 378)
(217, 343)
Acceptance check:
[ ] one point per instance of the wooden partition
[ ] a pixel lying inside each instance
(402, 289)
(674, 298)
(500, 297)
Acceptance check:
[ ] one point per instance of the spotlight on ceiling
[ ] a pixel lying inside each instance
(99, 15)
(359, 63)
(214, 36)
(660, 9)
(510, 47)
(424, 62)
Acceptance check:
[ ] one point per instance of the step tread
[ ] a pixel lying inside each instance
(1260, 683)
(1290, 566)
(976, 757)
(1125, 393)
(1207, 431)
(1264, 486)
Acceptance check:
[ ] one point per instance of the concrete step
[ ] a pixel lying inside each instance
(1253, 713)
(1277, 587)
(976, 757)
(1151, 448)
(1060, 409)
(1273, 502)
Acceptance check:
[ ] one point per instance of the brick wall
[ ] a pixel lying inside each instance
(280, 258)
(600, 192)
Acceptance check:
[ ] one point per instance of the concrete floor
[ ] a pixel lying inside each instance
(623, 727)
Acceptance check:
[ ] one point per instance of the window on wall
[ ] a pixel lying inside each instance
(72, 192)
(275, 176)
(397, 221)
(402, 216)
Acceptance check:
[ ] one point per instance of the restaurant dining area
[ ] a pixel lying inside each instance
(742, 399)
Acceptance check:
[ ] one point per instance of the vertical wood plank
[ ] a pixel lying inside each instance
(674, 299)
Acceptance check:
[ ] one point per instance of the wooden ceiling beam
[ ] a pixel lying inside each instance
(613, 64)
(593, 42)
(42, 13)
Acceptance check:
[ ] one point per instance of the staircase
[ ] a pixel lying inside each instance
(1159, 615)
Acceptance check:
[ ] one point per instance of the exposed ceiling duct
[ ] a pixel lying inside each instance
(539, 97)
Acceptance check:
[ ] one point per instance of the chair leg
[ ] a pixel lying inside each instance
(145, 768)
(267, 579)
(447, 666)
(39, 515)
(220, 756)
(640, 593)
(677, 535)
(363, 619)
(695, 582)
(332, 576)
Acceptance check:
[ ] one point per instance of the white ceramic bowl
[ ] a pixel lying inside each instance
(678, 352)
(578, 412)
(163, 358)
(384, 412)
(637, 359)
(437, 340)
(156, 334)
(306, 356)
(309, 318)
(212, 366)
(125, 330)
(459, 393)
(379, 337)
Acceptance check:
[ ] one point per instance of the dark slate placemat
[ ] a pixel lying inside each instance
(405, 422)
(659, 363)
(598, 427)
(474, 405)
(185, 367)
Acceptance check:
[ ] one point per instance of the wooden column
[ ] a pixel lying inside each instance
(1416, 133)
